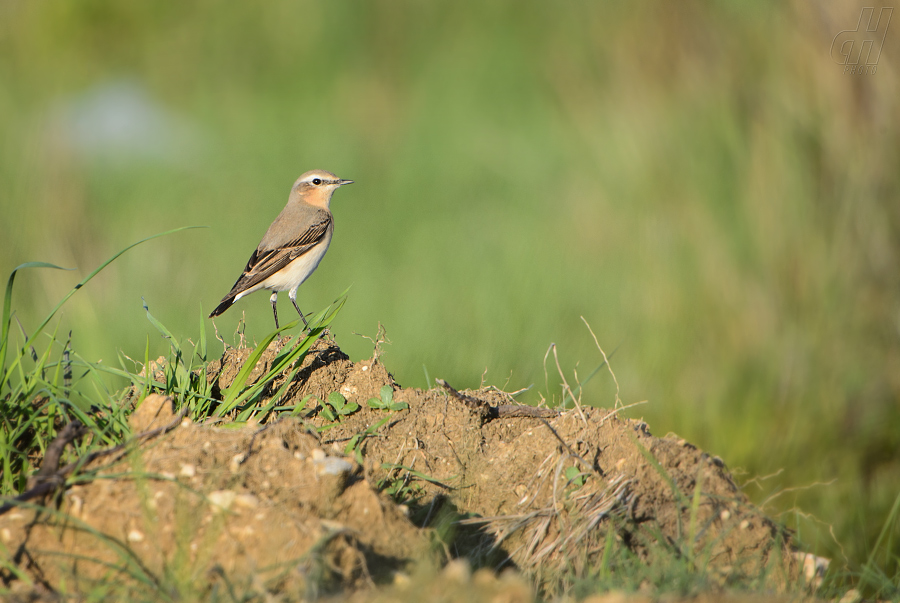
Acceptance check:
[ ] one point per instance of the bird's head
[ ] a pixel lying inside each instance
(316, 187)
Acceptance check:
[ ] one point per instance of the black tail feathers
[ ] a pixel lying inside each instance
(226, 303)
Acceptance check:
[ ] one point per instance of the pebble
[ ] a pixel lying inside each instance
(222, 499)
(247, 501)
(458, 570)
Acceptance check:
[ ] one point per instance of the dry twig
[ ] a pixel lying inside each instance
(504, 411)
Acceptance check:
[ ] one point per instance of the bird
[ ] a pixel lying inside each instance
(293, 245)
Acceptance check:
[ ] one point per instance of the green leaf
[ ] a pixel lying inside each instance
(575, 476)
(399, 406)
(387, 394)
(350, 408)
(337, 400)
(374, 403)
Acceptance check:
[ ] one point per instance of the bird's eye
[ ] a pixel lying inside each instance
(317, 181)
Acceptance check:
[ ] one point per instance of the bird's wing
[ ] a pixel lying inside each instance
(267, 261)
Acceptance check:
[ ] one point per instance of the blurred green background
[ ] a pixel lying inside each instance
(699, 180)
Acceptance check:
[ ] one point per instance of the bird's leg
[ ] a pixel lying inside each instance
(274, 300)
(293, 295)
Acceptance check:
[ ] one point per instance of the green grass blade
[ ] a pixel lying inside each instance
(7, 306)
(201, 345)
(66, 297)
(231, 397)
(166, 333)
(235, 396)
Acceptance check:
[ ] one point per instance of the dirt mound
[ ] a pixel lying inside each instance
(241, 501)
(288, 501)
(539, 487)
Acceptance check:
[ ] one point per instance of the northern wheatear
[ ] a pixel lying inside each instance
(294, 244)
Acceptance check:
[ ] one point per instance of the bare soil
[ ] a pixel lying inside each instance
(288, 505)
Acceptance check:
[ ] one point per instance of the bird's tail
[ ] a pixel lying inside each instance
(227, 302)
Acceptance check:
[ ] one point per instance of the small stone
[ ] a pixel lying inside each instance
(744, 524)
(851, 596)
(458, 570)
(814, 567)
(318, 454)
(484, 578)
(135, 536)
(332, 465)
(221, 499)
(401, 579)
(188, 470)
(248, 501)
(186, 422)
(5, 535)
(725, 515)
(76, 506)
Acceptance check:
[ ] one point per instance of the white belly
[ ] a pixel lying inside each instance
(292, 276)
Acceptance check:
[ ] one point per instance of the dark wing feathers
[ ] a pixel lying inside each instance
(311, 235)
(263, 263)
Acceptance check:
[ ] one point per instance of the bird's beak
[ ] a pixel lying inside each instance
(343, 182)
